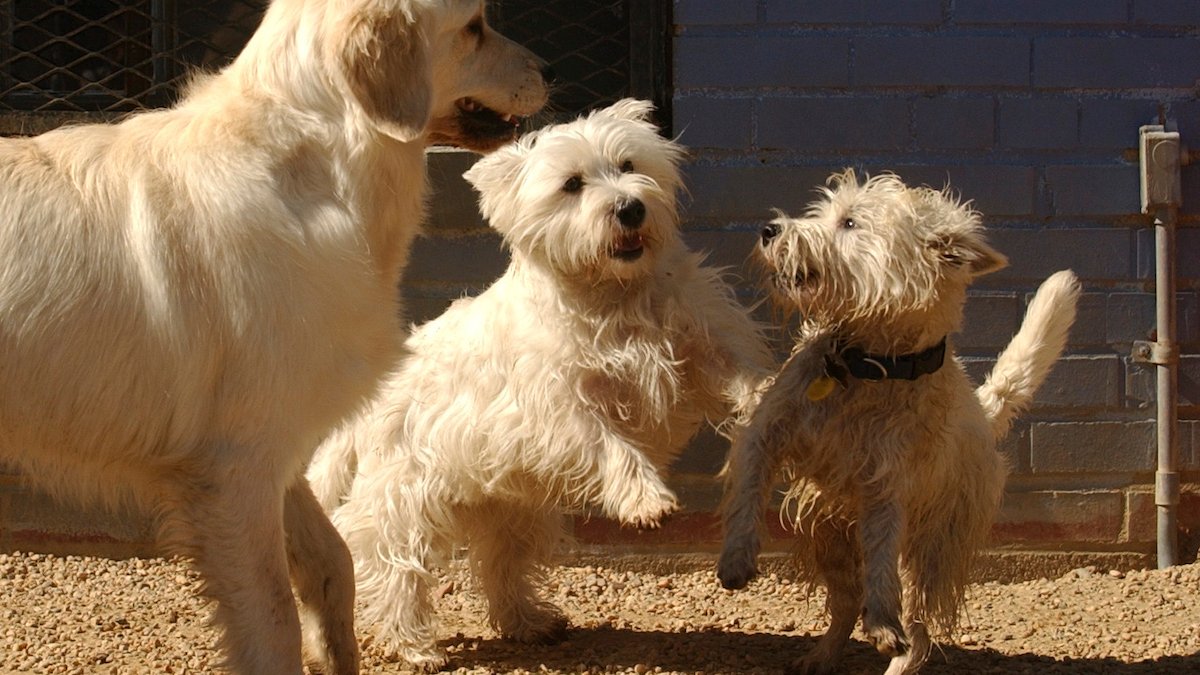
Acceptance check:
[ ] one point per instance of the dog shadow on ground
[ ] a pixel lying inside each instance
(602, 649)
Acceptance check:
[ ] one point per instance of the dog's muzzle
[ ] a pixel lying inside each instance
(631, 214)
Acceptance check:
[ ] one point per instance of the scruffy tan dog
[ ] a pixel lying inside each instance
(574, 380)
(895, 479)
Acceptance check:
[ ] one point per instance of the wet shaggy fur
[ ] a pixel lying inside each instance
(191, 299)
(573, 381)
(894, 484)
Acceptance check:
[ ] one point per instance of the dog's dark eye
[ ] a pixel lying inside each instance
(573, 184)
(849, 224)
(627, 166)
(475, 28)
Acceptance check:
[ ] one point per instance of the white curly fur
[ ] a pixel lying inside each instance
(573, 381)
(894, 484)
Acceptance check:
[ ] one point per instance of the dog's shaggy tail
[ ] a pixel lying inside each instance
(333, 468)
(1026, 361)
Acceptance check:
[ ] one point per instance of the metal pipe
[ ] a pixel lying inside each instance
(1161, 157)
(1166, 478)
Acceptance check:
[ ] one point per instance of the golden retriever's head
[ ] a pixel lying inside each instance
(434, 69)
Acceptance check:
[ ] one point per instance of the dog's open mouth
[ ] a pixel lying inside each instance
(481, 123)
(628, 247)
(473, 109)
(474, 126)
(801, 280)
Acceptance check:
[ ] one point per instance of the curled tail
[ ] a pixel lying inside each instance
(1025, 362)
(333, 468)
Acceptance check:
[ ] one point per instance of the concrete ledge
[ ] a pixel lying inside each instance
(687, 542)
(1003, 566)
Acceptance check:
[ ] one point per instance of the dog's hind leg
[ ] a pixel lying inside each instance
(232, 526)
(323, 577)
(836, 555)
(394, 532)
(946, 535)
(929, 591)
(508, 546)
(879, 534)
(917, 575)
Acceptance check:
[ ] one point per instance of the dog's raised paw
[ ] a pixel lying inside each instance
(648, 512)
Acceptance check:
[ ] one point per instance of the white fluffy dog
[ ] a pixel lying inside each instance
(573, 380)
(191, 299)
(894, 472)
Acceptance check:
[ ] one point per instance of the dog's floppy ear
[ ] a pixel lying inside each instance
(973, 253)
(385, 60)
(491, 173)
(954, 233)
(967, 249)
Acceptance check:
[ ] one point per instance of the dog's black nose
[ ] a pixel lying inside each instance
(548, 74)
(769, 232)
(631, 213)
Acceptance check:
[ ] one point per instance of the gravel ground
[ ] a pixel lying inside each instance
(95, 615)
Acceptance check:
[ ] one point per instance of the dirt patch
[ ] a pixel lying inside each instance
(94, 615)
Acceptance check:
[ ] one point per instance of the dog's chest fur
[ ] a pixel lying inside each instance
(895, 435)
(641, 379)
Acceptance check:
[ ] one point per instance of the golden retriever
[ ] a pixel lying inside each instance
(192, 298)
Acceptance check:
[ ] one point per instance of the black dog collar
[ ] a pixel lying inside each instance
(874, 367)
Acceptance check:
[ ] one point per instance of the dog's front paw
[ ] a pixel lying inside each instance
(419, 659)
(736, 567)
(649, 511)
(430, 664)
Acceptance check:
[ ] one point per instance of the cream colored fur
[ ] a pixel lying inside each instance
(191, 299)
(572, 381)
(894, 484)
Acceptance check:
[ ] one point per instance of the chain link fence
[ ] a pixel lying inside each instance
(101, 58)
(105, 56)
